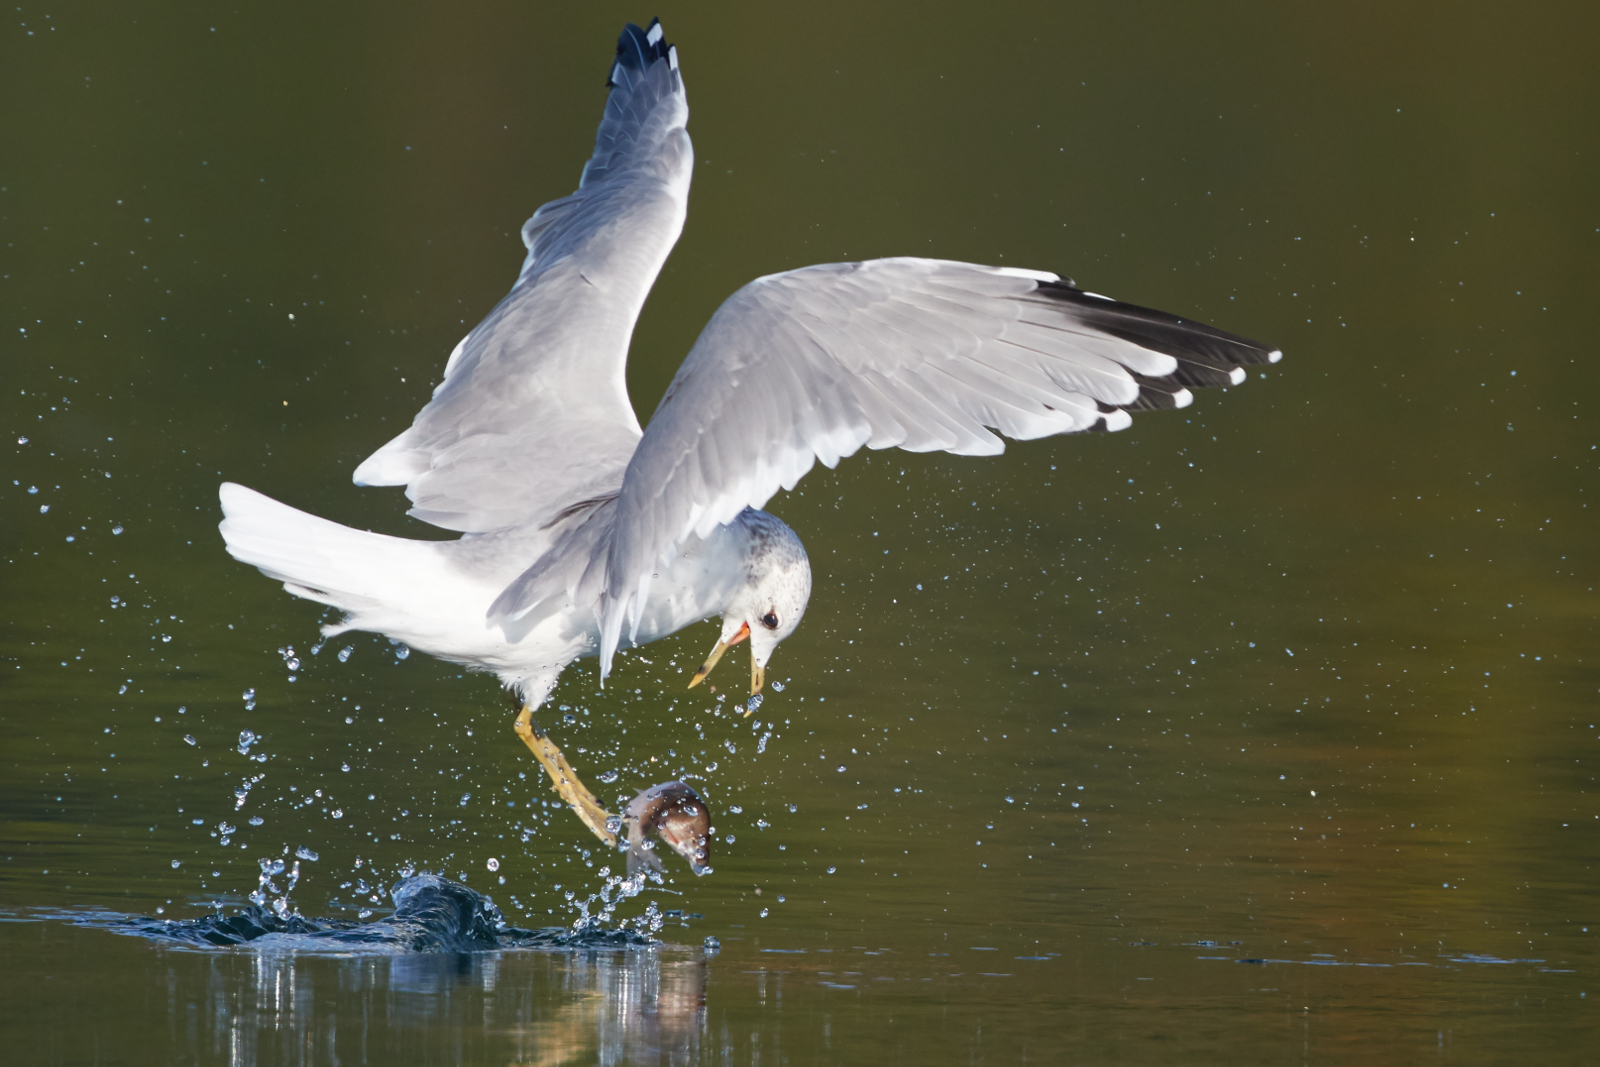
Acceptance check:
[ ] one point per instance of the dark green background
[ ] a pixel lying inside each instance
(1320, 651)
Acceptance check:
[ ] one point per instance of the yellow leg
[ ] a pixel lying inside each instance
(564, 780)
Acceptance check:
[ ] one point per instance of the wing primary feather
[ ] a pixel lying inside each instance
(810, 365)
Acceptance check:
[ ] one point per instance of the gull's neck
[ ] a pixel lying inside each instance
(707, 573)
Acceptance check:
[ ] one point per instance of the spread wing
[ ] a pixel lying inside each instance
(532, 416)
(916, 353)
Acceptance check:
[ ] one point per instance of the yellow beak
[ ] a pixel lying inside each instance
(758, 674)
(716, 654)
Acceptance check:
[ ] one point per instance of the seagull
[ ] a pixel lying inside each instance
(583, 533)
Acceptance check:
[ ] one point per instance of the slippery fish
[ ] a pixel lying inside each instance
(674, 813)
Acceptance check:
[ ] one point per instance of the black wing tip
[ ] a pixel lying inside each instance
(638, 49)
(1207, 356)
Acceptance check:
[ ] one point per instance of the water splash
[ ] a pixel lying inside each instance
(241, 794)
(431, 914)
(598, 910)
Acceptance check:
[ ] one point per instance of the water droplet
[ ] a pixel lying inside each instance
(116, 531)
(256, 820)
(190, 739)
(345, 767)
(608, 777)
(305, 853)
(493, 864)
(176, 864)
(841, 768)
(777, 687)
(832, 869)
(464, 798)
(1010, 800)
(729, 839)
(780, 898)
(613, 824)
(344, 653)
(364, 913)
(763, 913)
(401, 652)
(246, 739)
(712, 946)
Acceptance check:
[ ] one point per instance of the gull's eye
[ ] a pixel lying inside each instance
(770, 620)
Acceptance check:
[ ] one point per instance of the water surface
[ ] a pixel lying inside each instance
(1303, 675)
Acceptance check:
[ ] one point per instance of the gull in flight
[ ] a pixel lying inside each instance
(582, 533)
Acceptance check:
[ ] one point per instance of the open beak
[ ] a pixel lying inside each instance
(716, 654)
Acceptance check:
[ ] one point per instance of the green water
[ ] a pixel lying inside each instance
(1303, 674)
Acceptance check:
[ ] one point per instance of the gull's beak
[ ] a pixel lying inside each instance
(758, 674)
(716, 654)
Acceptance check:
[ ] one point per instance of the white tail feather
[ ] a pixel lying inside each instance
(374, 577)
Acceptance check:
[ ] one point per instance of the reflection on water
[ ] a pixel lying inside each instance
(287, 989)
(634, 1006)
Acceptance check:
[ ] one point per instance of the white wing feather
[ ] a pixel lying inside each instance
(533, 414)
(912, 353)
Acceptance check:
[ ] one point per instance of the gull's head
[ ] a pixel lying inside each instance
(768, 603)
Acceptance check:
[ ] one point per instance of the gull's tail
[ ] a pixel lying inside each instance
(382, 582)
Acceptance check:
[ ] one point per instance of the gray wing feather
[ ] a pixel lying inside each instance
(919, 354)
(533, 413)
